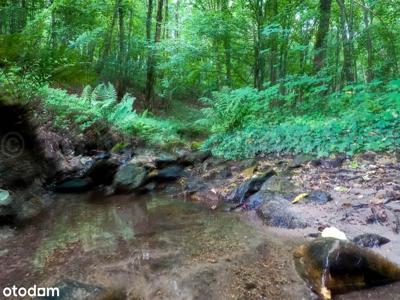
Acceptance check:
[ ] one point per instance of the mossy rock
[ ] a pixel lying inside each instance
(331, 266)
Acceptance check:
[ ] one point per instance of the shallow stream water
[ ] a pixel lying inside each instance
(151, 247)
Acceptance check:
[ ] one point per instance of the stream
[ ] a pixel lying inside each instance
(151, 247)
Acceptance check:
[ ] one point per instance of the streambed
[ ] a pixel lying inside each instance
(152, 247)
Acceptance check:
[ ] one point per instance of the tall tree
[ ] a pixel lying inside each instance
(273, 41)
(322, 33)
(348, 68)
(151, 71)
(368, 18)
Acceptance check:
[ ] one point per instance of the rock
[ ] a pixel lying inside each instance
(330, 163)
(281, 185)
(129, 178)
(255, 200)
(74, 290)
(370, 240)
(300, 160)
(248, 188)
(319, 197)
(147, 161)
(102, 171)
(247, 163)
(194, 185)
(277, 213)
(74, 185)
(165, 161)
(196, 157)
(102, 155)
(225, 172)
(369, 155)
(331, 266)
(170, 173)
(5, 205)
(5, 198)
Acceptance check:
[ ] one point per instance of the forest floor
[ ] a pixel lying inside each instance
(364, 190)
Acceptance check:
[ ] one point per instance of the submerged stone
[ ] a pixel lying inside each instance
(129, 178)
(74, 185)
(331, 266)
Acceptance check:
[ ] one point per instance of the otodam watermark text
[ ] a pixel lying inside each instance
(33, 291)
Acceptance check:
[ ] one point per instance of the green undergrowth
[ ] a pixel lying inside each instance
(245, 123)
(100, 104)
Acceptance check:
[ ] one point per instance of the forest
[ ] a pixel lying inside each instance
(302, 76)
(200, 149)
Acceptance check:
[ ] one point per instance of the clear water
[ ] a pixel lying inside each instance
(151, 247)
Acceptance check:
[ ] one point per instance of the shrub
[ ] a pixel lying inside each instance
(101, 103)
(361, 118)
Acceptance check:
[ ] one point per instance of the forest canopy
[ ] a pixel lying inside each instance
(271, 76)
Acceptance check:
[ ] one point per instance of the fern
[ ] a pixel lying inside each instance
(101, 104)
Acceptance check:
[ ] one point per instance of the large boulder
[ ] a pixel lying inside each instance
(129, 178)
(276, 212)
(331, 266)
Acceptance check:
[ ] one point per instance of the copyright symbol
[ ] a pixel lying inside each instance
(12, 144)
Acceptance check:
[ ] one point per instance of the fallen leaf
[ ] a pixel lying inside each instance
(299, 197)
(247, 173)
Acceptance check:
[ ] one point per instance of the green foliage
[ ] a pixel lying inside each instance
(230, 110)
(100, 104)
(361, 118)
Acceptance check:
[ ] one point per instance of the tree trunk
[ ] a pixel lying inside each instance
(347, 70)
(148, 90)
(151, 72)
(274, 46)
(177, 7)
(166, 16)
(108, 38)
(227, 48)
(259, 61)
(121, 86)
(323, 29)
(367, 24)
